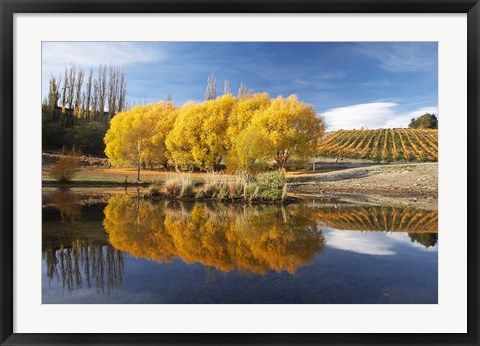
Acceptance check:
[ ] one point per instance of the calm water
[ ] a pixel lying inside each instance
(136, 251)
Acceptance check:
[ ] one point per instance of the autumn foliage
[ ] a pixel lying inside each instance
(253, 240)
(249, 133)
(137, 137)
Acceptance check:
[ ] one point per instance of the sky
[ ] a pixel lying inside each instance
(352, 84)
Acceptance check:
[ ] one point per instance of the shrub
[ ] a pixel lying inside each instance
(272, 180)
(173, 187)
(268, 186)
(180, 185)
(187, 186)
(210, 189)
(67, 166)
(213, 183)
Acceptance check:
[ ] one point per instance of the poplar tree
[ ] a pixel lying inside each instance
(72, 74)
(242, 91)
(64, 91)
(226, 87)
(95, 100)
(53, 94)
(88, 95)
(102, 89)
(122, 91)
(78, 91)
(211, 91)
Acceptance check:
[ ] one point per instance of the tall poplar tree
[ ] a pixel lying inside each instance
(211, 90)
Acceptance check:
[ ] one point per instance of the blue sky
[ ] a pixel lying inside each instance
(353, 84)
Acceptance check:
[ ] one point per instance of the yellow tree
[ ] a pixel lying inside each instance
(252, 239)
(199, 134)
(293, 128)
(164, 114)
(185, 131)
(244, 111)
(240, 118)
(252, 151)
(129, 138)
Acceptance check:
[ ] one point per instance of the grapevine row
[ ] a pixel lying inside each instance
(383, 145)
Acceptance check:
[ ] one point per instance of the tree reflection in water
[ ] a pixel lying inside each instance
(253, 239)
(65, 200)
(426, 239)
(76, 251)
(101, 264)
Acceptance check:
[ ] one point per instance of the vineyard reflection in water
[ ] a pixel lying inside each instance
(254, 239)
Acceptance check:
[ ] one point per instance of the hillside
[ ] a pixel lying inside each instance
(382, 145)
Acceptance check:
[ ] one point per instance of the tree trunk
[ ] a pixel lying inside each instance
(281, 158)
(138, 172)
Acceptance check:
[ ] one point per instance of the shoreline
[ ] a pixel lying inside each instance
(413, 185)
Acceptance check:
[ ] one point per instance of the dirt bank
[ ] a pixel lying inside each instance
(408, 184)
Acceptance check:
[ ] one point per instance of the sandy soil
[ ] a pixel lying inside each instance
(408, 184)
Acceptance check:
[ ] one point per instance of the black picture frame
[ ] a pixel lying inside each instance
(9, 7)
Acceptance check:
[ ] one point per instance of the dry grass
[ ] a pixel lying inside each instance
(173, 187)
(122, 174)
(179, 185)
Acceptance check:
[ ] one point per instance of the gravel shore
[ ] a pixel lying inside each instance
(406, 184)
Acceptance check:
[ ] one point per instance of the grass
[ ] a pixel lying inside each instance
(118, 175)
(267, 186)
(179, 185)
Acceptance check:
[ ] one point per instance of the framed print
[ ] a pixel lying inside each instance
(239, 173)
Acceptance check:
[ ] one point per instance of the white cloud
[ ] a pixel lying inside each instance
(403, 56)
(360, 242)
(370, 243)
(404, 119)
(401, 239)
(57, 55)
(371, 115)
(91, 54)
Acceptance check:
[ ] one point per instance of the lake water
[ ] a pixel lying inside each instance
(131, 250)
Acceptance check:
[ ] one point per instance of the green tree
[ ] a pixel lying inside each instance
(89, 137)
(426, 121)
(53, 94)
